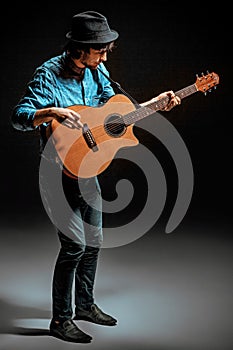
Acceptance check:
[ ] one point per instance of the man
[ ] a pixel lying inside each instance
(72, 78)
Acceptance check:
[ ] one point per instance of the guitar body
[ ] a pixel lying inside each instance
(105, 127)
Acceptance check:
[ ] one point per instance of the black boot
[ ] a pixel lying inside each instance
(95, 315)
(68, 331)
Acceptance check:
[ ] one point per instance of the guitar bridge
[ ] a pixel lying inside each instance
(89, 138)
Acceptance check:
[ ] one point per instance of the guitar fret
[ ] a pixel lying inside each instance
(186, 91)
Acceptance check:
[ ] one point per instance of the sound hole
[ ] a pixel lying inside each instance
(114, 125)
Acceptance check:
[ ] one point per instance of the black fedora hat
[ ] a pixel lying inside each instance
(92, 28)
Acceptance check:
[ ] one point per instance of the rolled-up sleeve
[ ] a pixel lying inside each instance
(38, 94)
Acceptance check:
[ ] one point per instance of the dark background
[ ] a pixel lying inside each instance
(162, 46)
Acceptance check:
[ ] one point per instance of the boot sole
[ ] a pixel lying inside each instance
(59, 335)
(96, 322)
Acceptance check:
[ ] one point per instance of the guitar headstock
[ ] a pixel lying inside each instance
(207, 82)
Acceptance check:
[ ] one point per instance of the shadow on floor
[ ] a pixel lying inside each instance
(11, 312)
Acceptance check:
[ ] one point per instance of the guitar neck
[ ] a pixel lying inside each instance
(151, 108)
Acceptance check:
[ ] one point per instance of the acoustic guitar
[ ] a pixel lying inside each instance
(87, 152)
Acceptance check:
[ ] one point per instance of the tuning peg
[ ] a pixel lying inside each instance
(197, 76)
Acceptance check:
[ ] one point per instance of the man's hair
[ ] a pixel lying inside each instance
(74, 49)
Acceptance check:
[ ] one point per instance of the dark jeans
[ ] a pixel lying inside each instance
(74, 263)
(77, 259)
(75, 208)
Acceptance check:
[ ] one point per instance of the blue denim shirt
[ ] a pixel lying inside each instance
(48, 88)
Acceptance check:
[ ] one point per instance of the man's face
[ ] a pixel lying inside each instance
(93, 58)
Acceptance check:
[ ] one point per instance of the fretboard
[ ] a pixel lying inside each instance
(145, 111)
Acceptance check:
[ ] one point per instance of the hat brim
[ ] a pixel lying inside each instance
(111, 36)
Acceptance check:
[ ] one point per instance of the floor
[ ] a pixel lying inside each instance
(168, 291)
